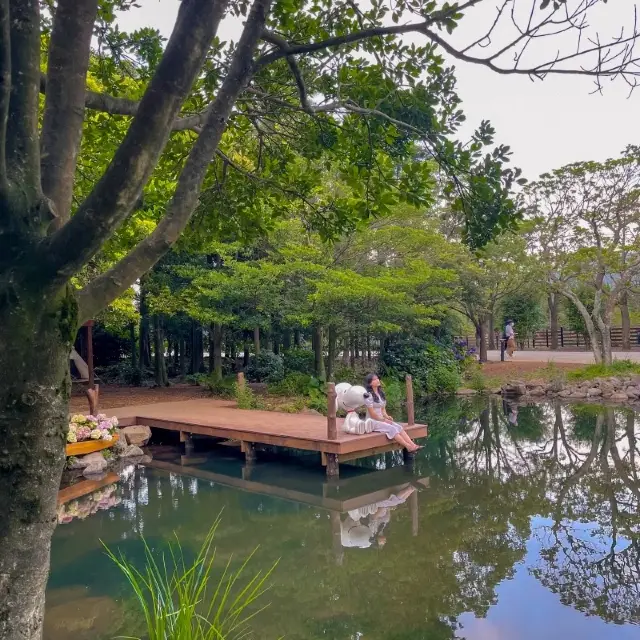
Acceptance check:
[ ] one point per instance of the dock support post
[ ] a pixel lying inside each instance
(336, 536)
(249, 450)
(332, 425)
(411, 416)
(333, 467)
(413, 508)
(187, 441)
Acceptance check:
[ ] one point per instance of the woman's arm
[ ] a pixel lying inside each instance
(373, 413)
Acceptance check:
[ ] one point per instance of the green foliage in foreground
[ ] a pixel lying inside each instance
(186, 602)
(616, 368)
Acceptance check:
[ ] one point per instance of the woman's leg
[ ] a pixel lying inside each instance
(406, 441)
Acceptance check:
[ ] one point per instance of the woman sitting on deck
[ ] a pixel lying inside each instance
(382, 421)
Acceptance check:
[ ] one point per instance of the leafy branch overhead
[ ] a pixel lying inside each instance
(309, 86)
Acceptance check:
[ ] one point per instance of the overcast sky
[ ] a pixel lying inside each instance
(547, 124)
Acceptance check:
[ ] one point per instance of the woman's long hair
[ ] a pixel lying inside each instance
(380, 395)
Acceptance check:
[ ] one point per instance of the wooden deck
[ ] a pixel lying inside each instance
(293, 431)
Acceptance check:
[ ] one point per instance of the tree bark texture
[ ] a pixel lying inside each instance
(216, 339)
(481, 332)
(626, 321)
(256, 340)
(160, 364)
(492, 332)
(36, 337)
(132, 342)
(331, 359)
(319, 353)
(553, 303)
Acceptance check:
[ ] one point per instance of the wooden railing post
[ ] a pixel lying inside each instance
(332, 423)
(411, 418)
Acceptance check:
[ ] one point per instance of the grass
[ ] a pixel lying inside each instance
(186, 602)
(616, 368)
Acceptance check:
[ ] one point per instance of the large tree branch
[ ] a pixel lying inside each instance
(22, 145)
(64, 105)
(111, 284)
(5, 91)
(114, 196)
(118, 106)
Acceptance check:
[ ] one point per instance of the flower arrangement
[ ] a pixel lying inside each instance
(91, 428)
(86, 506)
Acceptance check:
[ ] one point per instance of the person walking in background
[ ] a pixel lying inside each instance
(510, 337)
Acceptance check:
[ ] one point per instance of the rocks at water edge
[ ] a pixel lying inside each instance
(137, 435)
(623, 390)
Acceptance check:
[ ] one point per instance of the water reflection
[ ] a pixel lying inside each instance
(504, 528)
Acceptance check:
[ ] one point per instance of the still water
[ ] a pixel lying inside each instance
(514, 523)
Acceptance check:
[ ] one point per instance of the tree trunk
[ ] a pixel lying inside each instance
(368, 347)
(589, 324)
(256, 340)
(319, 353)
(158, 346)
(286, 340)
(34, 414)
(176, 356)
(297, 338)
(552, 301)
(247, 353)
(132, 342)
(352, 351)
(492, 332)
(626, 321)
(481, 332)
(216, 339)
(381, 350)
(183, 357)
(197, 347)
(331, 360)
(145, 345)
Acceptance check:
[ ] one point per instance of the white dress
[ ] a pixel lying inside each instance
(390, 429)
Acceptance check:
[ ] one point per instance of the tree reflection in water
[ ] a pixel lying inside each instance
(554, 493)
(580, 470)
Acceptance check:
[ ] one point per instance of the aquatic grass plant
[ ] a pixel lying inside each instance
(616, 368)
(185, 601)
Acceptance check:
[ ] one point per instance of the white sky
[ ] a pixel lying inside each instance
(547, 124)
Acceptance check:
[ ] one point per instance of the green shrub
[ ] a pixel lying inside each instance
(181, 600)
(122, 373)
(395, 391)
(265, 367)
(221, 387)
(294, 384)
(245, 398)
(352, 375)
(299, 360)
(434, 367)
(477, 381)
(317, 400)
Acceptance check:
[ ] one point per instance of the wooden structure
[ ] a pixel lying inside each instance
(89, 446)
(85, 487)
(250, 428)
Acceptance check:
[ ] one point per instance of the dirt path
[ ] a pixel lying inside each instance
(113, 396)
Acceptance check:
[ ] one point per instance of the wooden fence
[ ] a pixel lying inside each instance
(567, 339)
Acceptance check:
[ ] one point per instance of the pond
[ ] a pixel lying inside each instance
(514, 523)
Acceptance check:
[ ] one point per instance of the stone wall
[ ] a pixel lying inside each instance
(622, 389)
